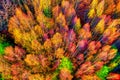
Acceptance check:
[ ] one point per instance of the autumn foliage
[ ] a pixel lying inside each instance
(62, 40)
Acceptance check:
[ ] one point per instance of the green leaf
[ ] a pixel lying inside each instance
(2, 47)
(47, 12)
(66, 63)
(103, 72)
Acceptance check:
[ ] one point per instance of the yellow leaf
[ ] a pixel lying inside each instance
(32, 60)
(100, 26)
(17, 35)
(45, 4)
(48, 45)
(77, 24)
(57, 39)
(61, 19)
(91, 13)
(38, 30)
(94, 3)
(36, 46)
(100, 8)
(36, 5)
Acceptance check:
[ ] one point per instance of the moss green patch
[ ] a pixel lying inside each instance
(103, 72)
(2, 47)
(66, 63)
(3, 44)
(1, 78)
(47, 12)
